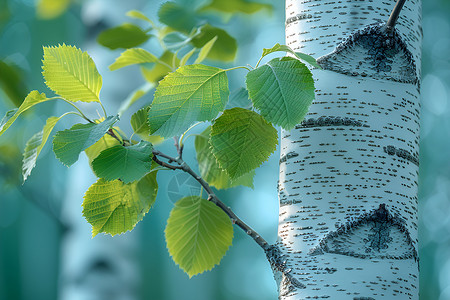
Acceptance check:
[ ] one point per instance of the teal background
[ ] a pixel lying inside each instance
(32, 224)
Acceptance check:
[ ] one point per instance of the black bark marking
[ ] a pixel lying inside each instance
(297, 18)
(287, 156)
(278, 262)
(382, 55)
(363, 298)
(402, 153)
(385, 236)
(329, 121)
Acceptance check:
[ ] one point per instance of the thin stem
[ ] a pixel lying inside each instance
(394, 15)
(184, 133)
(76, 107)
(235, 68)
(104, 110)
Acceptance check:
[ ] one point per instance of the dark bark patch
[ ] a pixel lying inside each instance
(329, 121)
(376, 234)
(402, 153)
(375, 53)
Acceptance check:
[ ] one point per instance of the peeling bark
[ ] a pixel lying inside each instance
(348, 172)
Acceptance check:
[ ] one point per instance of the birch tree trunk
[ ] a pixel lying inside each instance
(348, 173)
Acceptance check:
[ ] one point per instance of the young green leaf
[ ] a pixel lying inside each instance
(241, 141)
(198, 234)
(35, 145)
(125, 163)
(68, 143)
(234, 6)
(205, 50)
(191, 93)
(283, 48)
(139, 15)
(139, 122)
(186, 57)
(131, 57)
(123, 36)
(162, 68)
(282, 89)
(114, 207)
(31, 99)
(224, 49)
(209, 168)
(177, 17)
(71, 73)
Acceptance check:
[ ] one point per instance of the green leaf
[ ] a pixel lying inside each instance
(138, 15)
(104, 143)
(125, 163)
(123, 36)
(131, 57)
(139, 122)
(282, 89)
(50, 9)
(186, 57)
(71, 73)
(12, 82)
(177, 17)
(198, 234)
(234, 6)
(31, 99)
(160, 70)
(35, 145)
(224, 49)
(114, 207)
(239, 98)
(205, 50)
(241, 141)
(68, 143)
(191, 93)
(209, 168)
(135, 96)
(283, 48)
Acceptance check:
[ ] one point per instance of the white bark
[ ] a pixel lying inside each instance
(348, 173)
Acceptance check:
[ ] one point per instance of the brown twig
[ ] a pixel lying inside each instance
(394, 15)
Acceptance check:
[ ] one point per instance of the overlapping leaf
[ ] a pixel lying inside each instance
(209, 168)
(234, 6)
(241, 141)
(107, 141)
(131, 57)
(114, 207)
(167, 61)
(198, 234)
(224, 49)
(125, 163)
(192, 93)
(33, 98)
(283, 48)
(176, 16)
(35, 145)
(71, 73)
(123, 36)
(283, 90)
(205, 50)
(69, 143)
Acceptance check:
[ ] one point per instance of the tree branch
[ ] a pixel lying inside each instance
(394, 15)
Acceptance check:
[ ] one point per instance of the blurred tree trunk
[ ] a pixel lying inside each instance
(348, 173)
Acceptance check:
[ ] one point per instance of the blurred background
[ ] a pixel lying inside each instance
(46, 250)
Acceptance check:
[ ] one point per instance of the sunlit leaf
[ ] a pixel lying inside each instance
(186, 57)
(123, 36)
(33, 98)
(114, 207)
(125, 163)
(131, 57)
(138, 15)
(224, 49)
(69, 143)
(283, 48)
(35, 145)
(161, 68)
(71, 73)
(205, 50)
(50, 9)
(241, 141)
(209, 168)
(198, 234)
(283, 90)
(177, 105)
